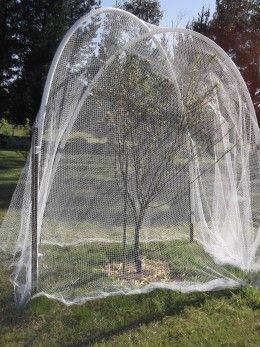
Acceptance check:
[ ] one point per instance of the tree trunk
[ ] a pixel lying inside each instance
(138, 262)
(137, 255)
(191, 214)
(191, 232)
(124, 229)
(191, 197)
(125, 177)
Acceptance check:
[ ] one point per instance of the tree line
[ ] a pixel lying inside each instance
(235, 26)
(30, 31)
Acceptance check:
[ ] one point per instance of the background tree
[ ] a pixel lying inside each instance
(235, 26)
(201, 24)
(147, 10)
(8, 44)
(32, 30)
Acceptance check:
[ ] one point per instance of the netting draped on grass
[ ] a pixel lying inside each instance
(149, 168)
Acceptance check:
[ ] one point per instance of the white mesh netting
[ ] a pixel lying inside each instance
(149, 168)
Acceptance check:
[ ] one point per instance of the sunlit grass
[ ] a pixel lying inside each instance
(11, 164)
(160, 318)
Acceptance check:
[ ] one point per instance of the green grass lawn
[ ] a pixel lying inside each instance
(160, 318)
(11, 164)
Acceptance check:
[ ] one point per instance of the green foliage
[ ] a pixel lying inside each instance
(201, 24)
(7, 44)
(27, 127)
(31, 33)
(240, 39)
(9, 129)
(147, 10)
(5, 127)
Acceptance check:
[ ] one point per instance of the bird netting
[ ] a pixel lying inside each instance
(144, 171)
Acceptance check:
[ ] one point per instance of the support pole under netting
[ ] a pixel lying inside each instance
(191, 191)
(34, 209)
(191, 213)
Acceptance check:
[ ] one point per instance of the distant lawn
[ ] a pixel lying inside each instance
(14, 130)
(11, 164)
(160, 318)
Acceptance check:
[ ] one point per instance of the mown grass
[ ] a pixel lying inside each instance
(71, 272)
(160, 318)
(11, 164)
(214, 320)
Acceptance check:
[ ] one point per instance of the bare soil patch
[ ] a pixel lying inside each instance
(152, 271)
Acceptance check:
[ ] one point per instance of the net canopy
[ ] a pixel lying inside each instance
(148, 171)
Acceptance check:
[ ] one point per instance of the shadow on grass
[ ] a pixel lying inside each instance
(6, 194)
(43, 320)
(161, 302)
